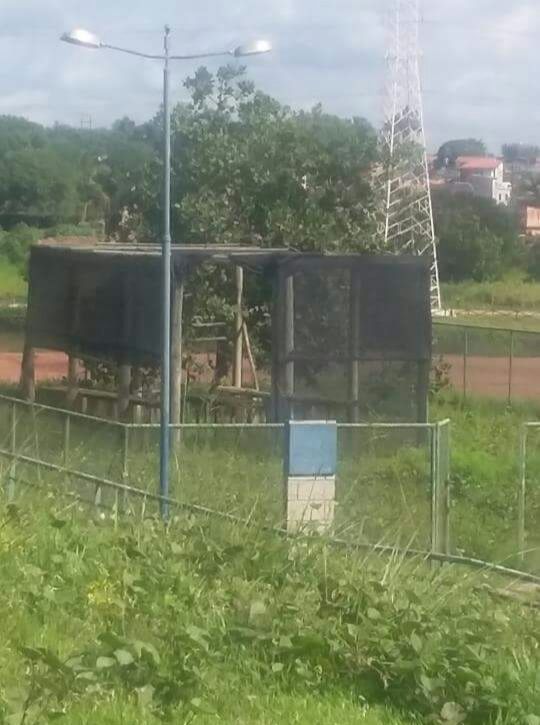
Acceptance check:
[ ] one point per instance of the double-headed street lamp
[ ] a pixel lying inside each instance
(87, 39)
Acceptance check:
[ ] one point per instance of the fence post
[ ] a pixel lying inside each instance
(67, 438)
(125, 463)
(522, 493)
(510, 366)
(13, 446)
(447, 493)
(440, 488)
(465, 359)
(435, 468)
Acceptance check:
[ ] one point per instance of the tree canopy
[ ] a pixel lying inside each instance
(451, 150)
(477, 238)
(522, 153)
(246, 169)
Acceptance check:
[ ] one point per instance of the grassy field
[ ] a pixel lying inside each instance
(485, 477)
(202, 622)
(513, 292)
(517, 322)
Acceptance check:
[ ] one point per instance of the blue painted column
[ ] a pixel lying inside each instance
(310, 475)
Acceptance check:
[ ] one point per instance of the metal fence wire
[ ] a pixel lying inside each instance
(392, 479)
(488, 361)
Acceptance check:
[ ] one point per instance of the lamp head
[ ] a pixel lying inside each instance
(256, 47)
(82, 37)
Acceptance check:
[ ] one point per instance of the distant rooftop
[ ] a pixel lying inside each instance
(477, 163)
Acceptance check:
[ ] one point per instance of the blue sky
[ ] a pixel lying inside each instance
(479, 59)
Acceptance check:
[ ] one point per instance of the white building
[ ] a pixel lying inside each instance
(485, 174)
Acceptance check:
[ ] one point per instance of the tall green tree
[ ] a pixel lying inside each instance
(518, 152)
(477, 238)
(451, 150)
(37, 187)
(248, 170)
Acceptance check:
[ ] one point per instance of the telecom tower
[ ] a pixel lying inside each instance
(406, 195)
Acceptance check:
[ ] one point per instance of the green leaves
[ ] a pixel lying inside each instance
(208, 604)
(103, 663)
(453, 714)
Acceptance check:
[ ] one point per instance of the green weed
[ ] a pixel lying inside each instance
(513, 292)
(204, 621)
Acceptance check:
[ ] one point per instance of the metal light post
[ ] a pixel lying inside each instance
(87, 39)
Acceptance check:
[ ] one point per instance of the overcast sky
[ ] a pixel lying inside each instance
(480, 59)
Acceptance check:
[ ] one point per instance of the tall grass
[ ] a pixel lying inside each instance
(12, 285)
(206, 622)
(384, 476)
(513, 292)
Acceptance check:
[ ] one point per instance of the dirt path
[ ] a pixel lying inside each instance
(49, 366)
(485, 376)
(490, 376)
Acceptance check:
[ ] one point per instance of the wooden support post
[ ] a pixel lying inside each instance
(28, 377)
(124, 390)
(289, 343)
(72, 382)
(250, 357)
(238, 328)
(176, 354)
(354, 347)
(276, 351)
(136, 389)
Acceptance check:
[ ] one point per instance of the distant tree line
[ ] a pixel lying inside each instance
(246, 169)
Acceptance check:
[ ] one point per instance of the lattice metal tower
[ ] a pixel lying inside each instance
(407, 220)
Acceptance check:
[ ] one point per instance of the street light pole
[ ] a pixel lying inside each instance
(86, 39)
(165, 432)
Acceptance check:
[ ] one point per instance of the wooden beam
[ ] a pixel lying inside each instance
(245, 392)
(250, 356)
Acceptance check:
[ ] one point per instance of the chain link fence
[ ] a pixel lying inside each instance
(488, 362)
(394, 485)
(392, 478)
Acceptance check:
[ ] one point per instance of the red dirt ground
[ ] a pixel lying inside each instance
(48, 365)
(487, 376)
(490, 376)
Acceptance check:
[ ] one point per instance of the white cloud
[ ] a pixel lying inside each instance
(476, 58)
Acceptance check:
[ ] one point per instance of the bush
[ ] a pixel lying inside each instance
(477, 238)
(177, 614)
(15, 245)
(70, 230)
(533, 262)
